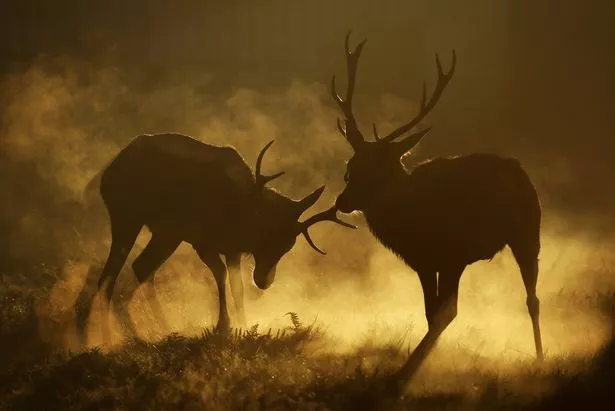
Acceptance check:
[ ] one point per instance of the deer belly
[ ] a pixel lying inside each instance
(429, 246)
(477, 237)
(189, 225)
(476, 249)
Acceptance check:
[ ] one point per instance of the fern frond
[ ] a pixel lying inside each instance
(294, 317)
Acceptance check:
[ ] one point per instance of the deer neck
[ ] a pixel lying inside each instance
(383, 197)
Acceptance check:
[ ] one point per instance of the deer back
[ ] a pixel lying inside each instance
(171, 180)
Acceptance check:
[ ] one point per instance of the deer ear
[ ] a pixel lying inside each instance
(412, 140)
(309, 200)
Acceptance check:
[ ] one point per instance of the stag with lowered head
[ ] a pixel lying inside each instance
(443, 214)
(184, 190)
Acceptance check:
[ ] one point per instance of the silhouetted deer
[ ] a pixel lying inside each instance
(184, 190)
(442, 215)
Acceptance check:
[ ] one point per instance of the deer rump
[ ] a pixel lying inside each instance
(180, 186)
(462, 209)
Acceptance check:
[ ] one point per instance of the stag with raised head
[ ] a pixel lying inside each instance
(184, 190)
(443, 214)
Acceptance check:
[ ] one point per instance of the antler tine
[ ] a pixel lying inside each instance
(351, 132)
(311, 243)
(423, 95)
(328, 215)
(347, 42)
(261, 180)
(426, 107)
(375, 130)
(336, 96)
(340, 127)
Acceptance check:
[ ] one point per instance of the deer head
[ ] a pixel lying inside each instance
(375, 163)
(277, 225)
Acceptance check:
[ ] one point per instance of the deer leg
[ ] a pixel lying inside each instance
(216, 265)
(233, 262)
(448, 296)
(157, 251)
(123, 235)
(529, 272)
(83, 304)
(445, 311)
(429, 284)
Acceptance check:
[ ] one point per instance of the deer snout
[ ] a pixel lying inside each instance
(264, 278)
(343, 204)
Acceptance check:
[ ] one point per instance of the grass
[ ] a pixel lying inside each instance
(252, 370)
(289, 369)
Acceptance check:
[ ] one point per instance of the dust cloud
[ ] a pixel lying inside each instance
(65, 119)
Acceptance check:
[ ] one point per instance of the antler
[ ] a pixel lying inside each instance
(351, 131)
(443, 80)
(261, 180)
(328, 215)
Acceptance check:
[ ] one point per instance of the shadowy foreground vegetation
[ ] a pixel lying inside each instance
(290, 369)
